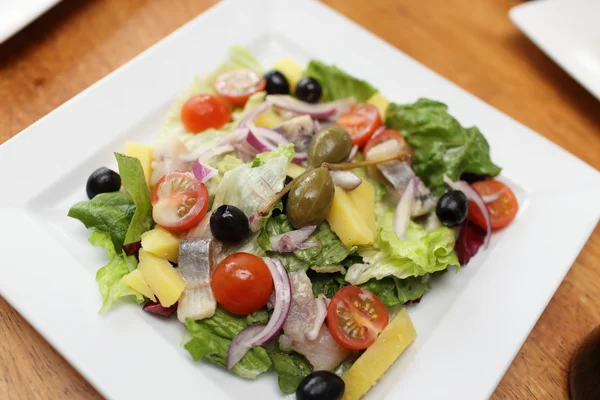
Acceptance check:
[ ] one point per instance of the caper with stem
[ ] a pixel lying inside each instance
(331, 144)
(310, 198)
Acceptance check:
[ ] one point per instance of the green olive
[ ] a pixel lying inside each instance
(331, 144)
(310, 198)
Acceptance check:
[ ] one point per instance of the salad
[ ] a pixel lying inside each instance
(285, 217)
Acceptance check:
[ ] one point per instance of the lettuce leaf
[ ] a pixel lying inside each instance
(440, 144)
(249, 188)
(210, 338)
(134, 182)
(291, 368)
(337, 84)
(421, 253)
(109, 277)
(110, 213)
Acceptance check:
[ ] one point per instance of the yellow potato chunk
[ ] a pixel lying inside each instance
(380, 102)
(143, 153)
(294, 170)
(136, 281)
(291, 70)
(347, 222)
(373, 363)
(161, 243)
(363, 198)
(268, 119)
(164, 281)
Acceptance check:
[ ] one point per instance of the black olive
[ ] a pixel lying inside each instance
(309, 90)
(321, 385)
(102, 180)
(277, 83)
(452, 208)
(472, 178)
(229, 224)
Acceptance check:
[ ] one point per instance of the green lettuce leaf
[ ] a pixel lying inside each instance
(291, 368)
(240, 57)
(412, 288)
(210, 338)
(134, 182)
(249, 188)
(109, 277)
(110, 213)
(421, 253)
(260, 317)
(284, 150)
(440, 144)
(337, 84)
(326, 284)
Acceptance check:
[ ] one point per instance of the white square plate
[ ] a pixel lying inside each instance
(470, 326)
(15, 14)
(568, 32)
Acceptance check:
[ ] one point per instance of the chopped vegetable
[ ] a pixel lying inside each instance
(161, 243)
(291, 70)
(380, 102)
(143, 153)
(337, 84)
(347, 222)
(164, 281)
(136, 281)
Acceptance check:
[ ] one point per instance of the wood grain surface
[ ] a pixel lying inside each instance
(470, 42)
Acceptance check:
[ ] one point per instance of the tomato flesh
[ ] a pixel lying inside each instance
(360, 122)
(502, 211)
(355, 317)
(238, 85)
(389, 134)
(180, 201)
(242, 283)
(204, 111)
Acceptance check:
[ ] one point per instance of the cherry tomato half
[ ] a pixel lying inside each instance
(242, 283)
(389, 134)
(204, 111)
(360, 122)
(502, 211)
(180, 201)
(238, 85)
(355, 317)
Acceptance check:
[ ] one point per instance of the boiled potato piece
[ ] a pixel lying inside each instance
(161, 243)
(294, 170)
(373, 363)
(347, 222)
(380, 102)
(268, 119)
(136, 281)
(143, 153)
(363, 198)
(164, 281)
(291, 70)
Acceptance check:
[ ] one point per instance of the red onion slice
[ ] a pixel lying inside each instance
(261, 334)
(252, 114)
(208, 154)
(294, 240)
(286, 102)
(347, 180)
(403, 209)
(258, 143)
(300, 157)
(353, 153)
(203, 172)
(157, 309)
(233, 137)
(489, 198)
(132, 249)
(473, 195)
(313, 333)
(269, 134)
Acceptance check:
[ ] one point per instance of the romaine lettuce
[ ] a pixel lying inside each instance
(337, 84)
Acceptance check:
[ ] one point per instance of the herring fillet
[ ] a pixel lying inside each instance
(197, 301)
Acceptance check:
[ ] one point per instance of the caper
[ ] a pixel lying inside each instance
(331, 144)
(310, 198)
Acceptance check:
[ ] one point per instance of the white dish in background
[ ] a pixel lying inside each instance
(470, 325)
(15, 14)
(568, 32)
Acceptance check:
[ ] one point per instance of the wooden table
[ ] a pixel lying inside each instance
(471, 42)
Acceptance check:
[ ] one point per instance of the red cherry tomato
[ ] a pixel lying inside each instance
(389, 134)
(180, 201)
(204, 111)
(242, 283)
(238, 85)
(360, 122)
(502, 211)
(355, 317)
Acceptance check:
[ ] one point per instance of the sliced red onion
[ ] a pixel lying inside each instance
(258, 143)
(261, 334)
(208, 154)
(403, 210)
(252, 114)
(300, 157)
(269, 134)
(233, 137)
(475, 197)
(318, 111)
(157, 309)
(321, 124)
(203, 172)
(489, 198)
(353, 153)
(294, 240)
(313, 333)
(347, 180)
(132, 249)
(255, 222)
